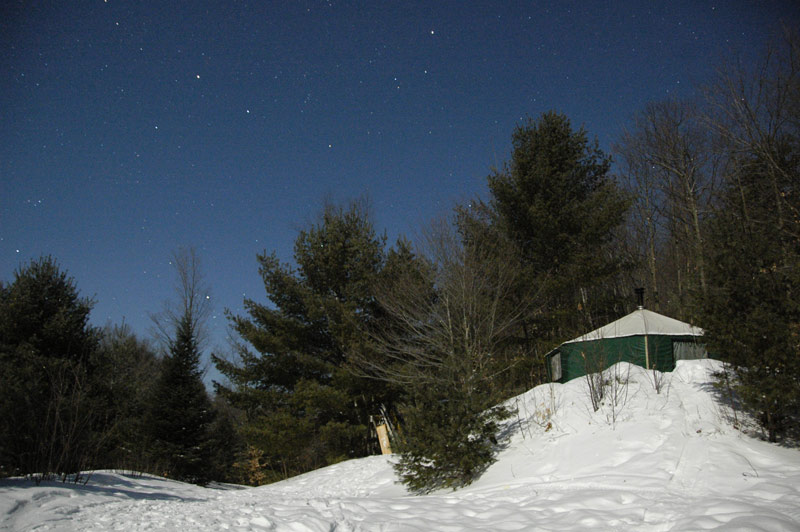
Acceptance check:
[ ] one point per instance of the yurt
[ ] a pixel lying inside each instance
(643, 337)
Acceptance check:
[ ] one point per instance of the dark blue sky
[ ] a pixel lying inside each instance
(130, 128)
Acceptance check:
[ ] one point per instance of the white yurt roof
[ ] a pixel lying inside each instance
(638, 322)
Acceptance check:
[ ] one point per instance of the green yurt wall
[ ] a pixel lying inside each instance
(624, 341)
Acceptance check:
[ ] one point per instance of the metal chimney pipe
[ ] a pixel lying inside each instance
(639, 297)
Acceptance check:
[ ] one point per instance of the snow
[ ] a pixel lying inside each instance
(645, 462)
(641, 322)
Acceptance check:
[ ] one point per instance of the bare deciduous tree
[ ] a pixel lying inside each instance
(752, 314)
(453, 312)
(646, 223)
(192, 300)
(756, 112)
(446, 342)
(670, 166)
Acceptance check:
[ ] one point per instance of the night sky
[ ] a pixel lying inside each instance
(128, 128)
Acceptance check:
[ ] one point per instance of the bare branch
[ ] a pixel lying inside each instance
(192, 300)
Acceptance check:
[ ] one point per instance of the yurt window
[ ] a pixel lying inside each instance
(555, 367)
(688, 350)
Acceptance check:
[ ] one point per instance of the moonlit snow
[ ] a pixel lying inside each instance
(643, 462)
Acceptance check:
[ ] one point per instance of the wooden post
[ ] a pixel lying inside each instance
(383, 438)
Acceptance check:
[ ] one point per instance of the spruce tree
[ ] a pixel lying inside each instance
(180, 414)
(50, 415)
(444, 342)
(752, 309)
(448, 436)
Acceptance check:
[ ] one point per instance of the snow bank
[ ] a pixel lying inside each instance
(644, 461)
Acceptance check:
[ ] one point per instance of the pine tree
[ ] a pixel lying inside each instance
(50, 418)
(556, 201)
(556, 197)
(304, 406)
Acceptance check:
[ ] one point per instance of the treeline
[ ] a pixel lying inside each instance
(74, 397)
(701, 208)
(715, 224)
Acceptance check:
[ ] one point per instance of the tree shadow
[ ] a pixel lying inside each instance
(737, 414)
(115, 486)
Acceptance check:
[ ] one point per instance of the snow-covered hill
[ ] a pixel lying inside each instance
(644, 462)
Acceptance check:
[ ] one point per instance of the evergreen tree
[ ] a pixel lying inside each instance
(443, 343)
(226, 443)
(180, 413)
(128, 365)
(304, 406)
(50, 419)
(448, 437)
(752, 310)
(557, 202)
